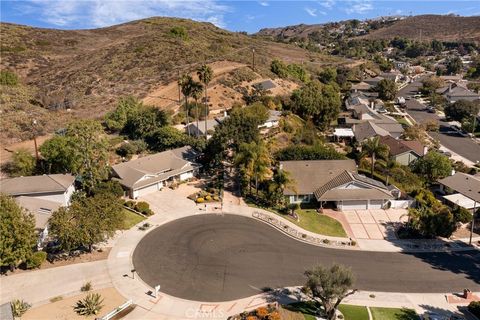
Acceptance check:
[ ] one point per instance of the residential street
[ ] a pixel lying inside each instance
(463, 146)
(219, 258)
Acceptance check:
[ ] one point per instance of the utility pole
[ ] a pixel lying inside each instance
(253, 59)
(34, 123)
(179, 93)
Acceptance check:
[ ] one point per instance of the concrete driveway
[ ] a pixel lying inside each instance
(375, 224)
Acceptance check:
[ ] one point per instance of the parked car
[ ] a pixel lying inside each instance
(430, 109)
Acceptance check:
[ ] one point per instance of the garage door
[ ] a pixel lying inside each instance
(375, 204)
(354, 205)
(147, 190)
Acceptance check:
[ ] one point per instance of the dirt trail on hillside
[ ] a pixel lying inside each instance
(166, 97)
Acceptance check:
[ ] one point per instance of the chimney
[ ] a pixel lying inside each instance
(225, 113)
(425, 150)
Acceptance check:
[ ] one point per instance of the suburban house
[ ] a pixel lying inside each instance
(374, 81)
(402, 151)
(374, 128)
(199, 131)
(455, 91)
(41, 196)
(462, 190)
(395, 76)
(52, 187)
(272, 121)
(151, 173)
(360, 87)
(335, 183)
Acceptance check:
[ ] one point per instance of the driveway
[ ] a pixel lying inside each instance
(220, 258)
(375, 224)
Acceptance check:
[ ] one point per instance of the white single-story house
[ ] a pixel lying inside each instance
(51, 187)
(462, 190)
(151, 173)
(41, 196)
(334, 182)
(272, 121)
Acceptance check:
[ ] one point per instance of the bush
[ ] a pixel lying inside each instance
(200, 200)
(208, 198)
(142, 207)
(130, 204)
(148, 212)
(109, 187)
(462, 215)
(19, 307)
(90, 305)
(144, 226)
(36, 260)
(474, 307)
(179, 32)
(8, 78)
(86, 287)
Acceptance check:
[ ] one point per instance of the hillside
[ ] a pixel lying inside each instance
(429, 27)
(82, 73)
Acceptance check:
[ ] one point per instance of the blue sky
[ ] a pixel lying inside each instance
(237, 15)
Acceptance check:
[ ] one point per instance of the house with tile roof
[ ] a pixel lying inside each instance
(335, 183)
(402, 151)
(151, 173)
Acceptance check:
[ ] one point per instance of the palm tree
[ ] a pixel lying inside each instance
(205, 74)
(196, 92)
(255, 159)
(281, 181)
(374, 148)
(185, 83)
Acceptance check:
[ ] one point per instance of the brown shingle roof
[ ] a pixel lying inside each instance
(465, 184)
(53, 183)
(401, 146)
(309, 175)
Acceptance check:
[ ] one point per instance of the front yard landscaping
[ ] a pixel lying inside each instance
(130, 219)
(351, 312)
(393, 314)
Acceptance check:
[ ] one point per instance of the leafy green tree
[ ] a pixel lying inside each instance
(301, 152)
(17, 233)
(205, 75)
(328, 75)
(90, 149)
(432, 166)
(431, 84)
(317, 101)
(166, 138)
(58, 155)
(432, 223)
(454, 65)
(374, 149)
(462, 109)
(146, 120)
(117, 119)
(87, 221)
(110, 187)
(387, 89)
(23, 163)
(330, 286)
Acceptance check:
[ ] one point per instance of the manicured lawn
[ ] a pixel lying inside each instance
(307, 308)
(351, 312)
(310, 220)
(130, 219)
(393, 314)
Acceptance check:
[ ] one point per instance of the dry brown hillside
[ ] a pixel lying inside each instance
(86, 71)
(429, 27)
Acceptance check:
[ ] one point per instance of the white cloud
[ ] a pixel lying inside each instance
(101, 13)
(358, 6)
(312, 12)
(328, 4)
(264, 3)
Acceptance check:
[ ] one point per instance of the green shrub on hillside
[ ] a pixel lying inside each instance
(8, 78)
(179, 32)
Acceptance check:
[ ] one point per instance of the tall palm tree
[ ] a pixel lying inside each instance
(281, 181)
(205, 74)
(256, 160)
(374, 148)
(197, 90)
(185, 83)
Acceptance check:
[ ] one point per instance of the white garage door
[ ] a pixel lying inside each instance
(147, 190)
(375, 204)
(354, 205)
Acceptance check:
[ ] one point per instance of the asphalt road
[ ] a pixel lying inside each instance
(463, 146)
(218, 258)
